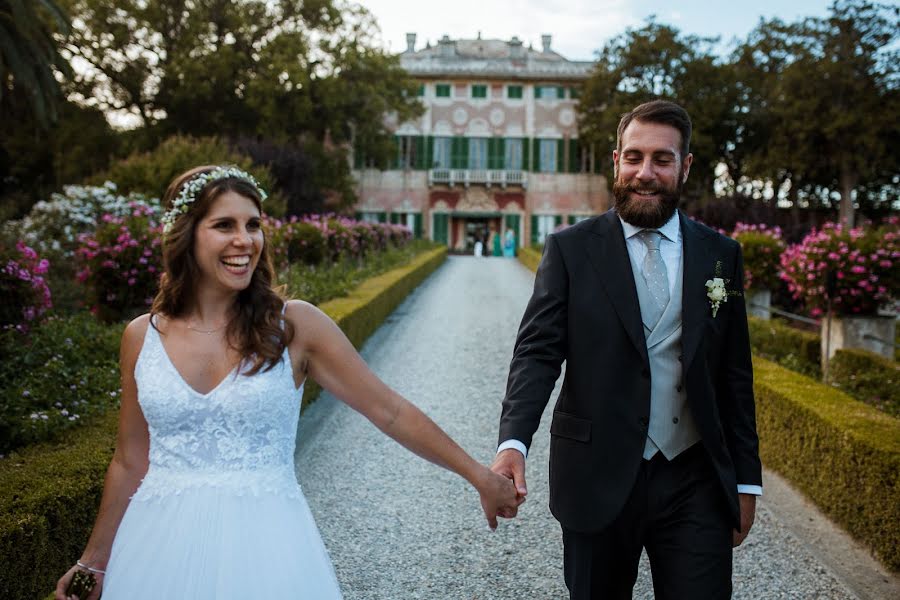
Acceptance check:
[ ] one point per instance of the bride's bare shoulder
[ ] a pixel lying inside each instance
(306, 318)
(133, 336)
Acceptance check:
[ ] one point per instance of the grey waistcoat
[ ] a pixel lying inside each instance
(672, 429)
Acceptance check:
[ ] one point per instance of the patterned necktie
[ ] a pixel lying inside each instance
(655, 276)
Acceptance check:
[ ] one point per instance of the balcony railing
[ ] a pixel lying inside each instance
(487, 177)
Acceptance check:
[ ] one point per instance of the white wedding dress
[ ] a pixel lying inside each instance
(219, 514)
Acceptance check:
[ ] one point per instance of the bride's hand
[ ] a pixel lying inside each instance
(64, 581)
(498, 497)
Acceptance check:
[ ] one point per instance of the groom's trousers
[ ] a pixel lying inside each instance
(678, 512)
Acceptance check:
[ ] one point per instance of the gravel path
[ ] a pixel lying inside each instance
(400, 528)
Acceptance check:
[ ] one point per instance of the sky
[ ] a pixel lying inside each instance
(578, 27)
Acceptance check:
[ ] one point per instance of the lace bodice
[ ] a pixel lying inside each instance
(240, 436)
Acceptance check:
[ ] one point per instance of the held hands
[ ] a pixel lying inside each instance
(748, 515)
(511, 464)
(498, 497)
(65, 584)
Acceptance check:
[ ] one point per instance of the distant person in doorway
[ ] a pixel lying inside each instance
(653, 438)
(496, 243)
(509, 244)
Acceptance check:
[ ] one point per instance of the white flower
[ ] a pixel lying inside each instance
(715, 291)
(192, 188)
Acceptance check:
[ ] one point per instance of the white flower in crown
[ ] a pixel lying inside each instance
(715, 291)
(193, 186)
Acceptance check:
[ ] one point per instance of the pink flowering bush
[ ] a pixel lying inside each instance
(864, 262)
(120, 264)
(762, 247)
(23, 287)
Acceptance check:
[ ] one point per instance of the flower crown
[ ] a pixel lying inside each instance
(191, 189)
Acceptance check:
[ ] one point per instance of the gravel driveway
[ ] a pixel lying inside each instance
(400, 528)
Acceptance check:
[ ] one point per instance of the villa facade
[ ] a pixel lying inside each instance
(496, 149)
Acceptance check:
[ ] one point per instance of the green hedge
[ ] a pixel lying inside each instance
(843, 454)
(530, 257)
(50, 492)
(868, 377)
(790, 347)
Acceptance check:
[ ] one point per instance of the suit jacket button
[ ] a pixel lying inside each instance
(675, 420)
(680, 358)
(678, 388)
(644, 421)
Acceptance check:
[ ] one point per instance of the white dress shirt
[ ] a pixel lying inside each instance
(670, 247)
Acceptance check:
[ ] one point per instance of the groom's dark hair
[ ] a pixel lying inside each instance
(662, 112)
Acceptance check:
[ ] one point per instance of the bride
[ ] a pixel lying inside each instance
(200, 499)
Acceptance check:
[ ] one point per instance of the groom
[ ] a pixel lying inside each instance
(653, 439)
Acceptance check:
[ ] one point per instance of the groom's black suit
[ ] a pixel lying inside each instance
(585, 311)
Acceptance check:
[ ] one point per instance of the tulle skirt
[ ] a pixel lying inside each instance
(206, 543)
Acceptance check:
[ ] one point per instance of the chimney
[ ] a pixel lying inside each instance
(410, 42)
(448, 47)
(516, 50)
(545, 41)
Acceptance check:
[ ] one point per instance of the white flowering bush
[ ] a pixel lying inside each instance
(53, 226)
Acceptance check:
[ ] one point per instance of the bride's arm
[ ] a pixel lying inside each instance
(127, 467)
(332, 361)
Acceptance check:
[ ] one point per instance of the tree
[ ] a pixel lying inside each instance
(292, 71)
(821, 104)
(656, 61)
(29, 59)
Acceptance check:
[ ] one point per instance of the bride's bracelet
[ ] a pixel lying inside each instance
(90, 569)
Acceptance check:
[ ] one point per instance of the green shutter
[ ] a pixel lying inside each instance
(526, 154)
(570, 219)
(560, 92)
(382, 217)
(429, 152)
(495, 153)
(440, 228)
(534, 229)
(395, 218)
(417, 225)
(557, 220)
(561, 156)
(459, 153)
(535, 155)
(419, 149)
(574, 156)
(358, 216)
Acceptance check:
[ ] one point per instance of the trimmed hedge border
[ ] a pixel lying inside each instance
(842, 453)
(790, 347)
(868, 377)
(530, 257)
(50, 492)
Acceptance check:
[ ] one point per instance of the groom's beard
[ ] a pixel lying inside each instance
(643, 212)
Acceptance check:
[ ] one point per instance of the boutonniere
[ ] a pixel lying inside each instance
(716, 291)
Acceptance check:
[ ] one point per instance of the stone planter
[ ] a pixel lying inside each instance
(855, 332)
(758, 302)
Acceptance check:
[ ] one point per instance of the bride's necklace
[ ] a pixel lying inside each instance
(206, 331)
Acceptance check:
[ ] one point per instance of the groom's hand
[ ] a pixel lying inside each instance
(511, 464)
(748, 515)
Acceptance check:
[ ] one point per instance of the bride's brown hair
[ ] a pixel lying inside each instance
(256, 330)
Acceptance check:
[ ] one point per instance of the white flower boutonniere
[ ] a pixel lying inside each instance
(715, 291)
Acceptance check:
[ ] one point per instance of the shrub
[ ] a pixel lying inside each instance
(868, 377)
(762, 248)
(844, 455)
(862, 260)
(152, 172)
(63, 372)
(25, 293)
(792, 348)
(121, 263)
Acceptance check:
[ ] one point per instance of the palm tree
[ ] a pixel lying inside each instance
(29, 56)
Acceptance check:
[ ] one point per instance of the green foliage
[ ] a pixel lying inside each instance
(59, 375)
(319, 283)
(868, 377)
(762, 248)
(29, 57)
(152, 172)
(792, 348)
(844, 455)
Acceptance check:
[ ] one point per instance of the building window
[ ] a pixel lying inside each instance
(421, 91)
(545, 226)
(478, 153)
(574, 93)
(372, 217)
(479, 91)
(407, 152)
(512, 154)
(551, 92)
(548, 155)
(442, 148)
(442, 90)
(514, 92)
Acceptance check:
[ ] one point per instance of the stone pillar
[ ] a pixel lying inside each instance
(758, 302)
(853, 332)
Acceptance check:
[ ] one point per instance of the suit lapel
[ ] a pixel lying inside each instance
(698, 267)
(609, 257)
